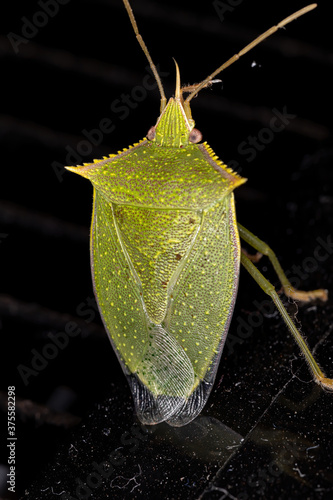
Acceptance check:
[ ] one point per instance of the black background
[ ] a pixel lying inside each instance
(64, 81)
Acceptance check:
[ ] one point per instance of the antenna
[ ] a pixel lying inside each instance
(146, 52)
(248, 47)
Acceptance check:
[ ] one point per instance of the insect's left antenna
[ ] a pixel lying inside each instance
(248, 47)
(146, 52)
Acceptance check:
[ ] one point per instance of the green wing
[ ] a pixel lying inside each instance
(166, 297)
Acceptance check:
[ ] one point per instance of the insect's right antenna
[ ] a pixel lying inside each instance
(146, 52)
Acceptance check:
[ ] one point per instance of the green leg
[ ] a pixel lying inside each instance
(270, 290)
(288, 289)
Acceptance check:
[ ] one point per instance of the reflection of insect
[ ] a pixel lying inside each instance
(165, 257)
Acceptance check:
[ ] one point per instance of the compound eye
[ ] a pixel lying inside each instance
(195, 136)
(151, 133)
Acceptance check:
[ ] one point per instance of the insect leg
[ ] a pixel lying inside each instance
(253, 257)
(268, 288)
(288, 289)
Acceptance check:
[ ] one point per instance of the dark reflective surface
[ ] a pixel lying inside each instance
(282, 447)
(266, 431)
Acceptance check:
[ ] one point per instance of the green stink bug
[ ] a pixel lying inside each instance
(165, 256)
